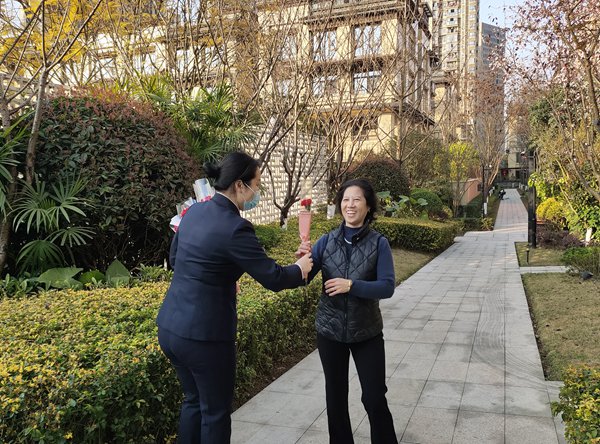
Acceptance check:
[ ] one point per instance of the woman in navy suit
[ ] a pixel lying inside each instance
(197, 322)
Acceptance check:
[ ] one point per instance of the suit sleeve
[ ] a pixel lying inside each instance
(249, 255)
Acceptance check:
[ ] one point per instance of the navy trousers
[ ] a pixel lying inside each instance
(206, 371)
(369, 357)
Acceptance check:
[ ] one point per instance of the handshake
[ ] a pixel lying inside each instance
(304, 256)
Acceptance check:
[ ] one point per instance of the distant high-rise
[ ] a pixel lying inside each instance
(456, 40)
(456, 24)
(492, 40)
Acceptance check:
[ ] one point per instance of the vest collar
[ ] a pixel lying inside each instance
(357, 236)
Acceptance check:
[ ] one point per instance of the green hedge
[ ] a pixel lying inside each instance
(434, 203)
(583, 259)
(551, 210)
(417, 234)
(579, 405)
(85, 366)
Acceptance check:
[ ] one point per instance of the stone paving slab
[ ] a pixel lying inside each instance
(461, 357)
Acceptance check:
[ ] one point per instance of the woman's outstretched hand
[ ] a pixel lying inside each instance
(304, 248)
(305, 263)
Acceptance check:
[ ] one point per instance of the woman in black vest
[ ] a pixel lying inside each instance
(357, 267)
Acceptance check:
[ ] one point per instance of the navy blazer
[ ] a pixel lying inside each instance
(212, 248)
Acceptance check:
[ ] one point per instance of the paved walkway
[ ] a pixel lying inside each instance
(462, 362)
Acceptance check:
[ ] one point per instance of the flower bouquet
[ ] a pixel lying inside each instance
(304, 219)
(203, 192)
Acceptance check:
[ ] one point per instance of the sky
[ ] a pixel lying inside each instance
(496, 12)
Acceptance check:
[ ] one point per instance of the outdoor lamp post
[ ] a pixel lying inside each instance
(531, 207)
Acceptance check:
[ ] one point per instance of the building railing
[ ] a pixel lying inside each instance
(354, 7)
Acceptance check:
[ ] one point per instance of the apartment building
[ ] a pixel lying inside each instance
(456, 30)
(492, 40)
(361, 66)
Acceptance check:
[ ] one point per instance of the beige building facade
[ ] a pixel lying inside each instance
(357, 70)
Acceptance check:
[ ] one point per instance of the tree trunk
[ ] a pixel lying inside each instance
(35, 128)
(283, 215)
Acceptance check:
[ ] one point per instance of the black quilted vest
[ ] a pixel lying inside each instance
(343, 317)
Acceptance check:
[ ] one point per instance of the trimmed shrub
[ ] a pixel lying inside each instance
(384, 174)
(268, 235)
(434, 203)
(583, 259)
(136, 166)
(85, 367)
(417, 234)
(473, 209)
(579, 405)
(551, 210)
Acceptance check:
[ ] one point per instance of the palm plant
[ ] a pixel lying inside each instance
(47, 214)
(10, 139)
(207, 119)
(212, 125)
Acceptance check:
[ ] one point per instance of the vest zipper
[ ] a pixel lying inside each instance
(345, 335)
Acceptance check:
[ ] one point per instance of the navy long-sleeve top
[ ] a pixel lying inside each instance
(381, 288)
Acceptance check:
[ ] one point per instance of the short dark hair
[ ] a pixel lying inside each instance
(368, 192)
(233, 167)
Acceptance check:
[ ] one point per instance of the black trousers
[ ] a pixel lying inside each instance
(206, 371)
(369, 357)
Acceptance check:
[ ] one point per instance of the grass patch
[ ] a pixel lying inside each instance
(407, 263)
(566, 315)
(493, 206)
(538, 256)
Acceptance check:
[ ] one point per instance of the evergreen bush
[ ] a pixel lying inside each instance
(583, 259)
(579, 405)
(435, 206)
(136, 168)
(384, 174)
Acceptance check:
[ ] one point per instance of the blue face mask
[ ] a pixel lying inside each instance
(253, 202)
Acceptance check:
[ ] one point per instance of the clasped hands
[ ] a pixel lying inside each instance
(333, 286)
(304, 261)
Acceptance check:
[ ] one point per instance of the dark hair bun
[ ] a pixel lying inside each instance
(212, 171)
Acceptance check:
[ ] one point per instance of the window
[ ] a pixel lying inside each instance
(367, 39)
(289, 49)
(362, 126)
(324, 86)
(365, 82)
(184, 58)
(283, 87)
(324, 45)
(142, 63)
(211, 55)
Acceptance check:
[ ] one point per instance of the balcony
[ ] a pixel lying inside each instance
(345, 8)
